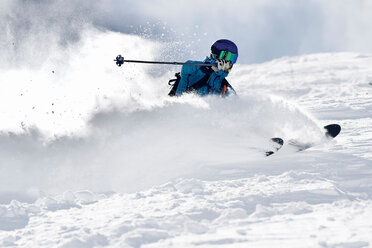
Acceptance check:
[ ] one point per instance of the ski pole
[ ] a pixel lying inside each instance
(120, 61)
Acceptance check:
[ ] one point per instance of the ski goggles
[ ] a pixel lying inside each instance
(228, 56)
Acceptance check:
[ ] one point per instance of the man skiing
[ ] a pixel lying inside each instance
(205, 80)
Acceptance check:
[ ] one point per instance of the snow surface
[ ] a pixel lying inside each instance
(93, 155)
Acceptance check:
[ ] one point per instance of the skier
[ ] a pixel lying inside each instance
(208, 80)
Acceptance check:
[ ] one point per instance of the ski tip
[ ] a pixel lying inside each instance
(278, 141)
(332, 130)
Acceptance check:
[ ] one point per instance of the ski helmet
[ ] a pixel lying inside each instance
(225, 49)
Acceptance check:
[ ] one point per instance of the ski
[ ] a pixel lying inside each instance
(277, 144)
(331, 131)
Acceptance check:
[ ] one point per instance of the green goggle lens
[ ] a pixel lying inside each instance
(229, 56)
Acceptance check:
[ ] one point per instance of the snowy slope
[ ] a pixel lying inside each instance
(137, 169)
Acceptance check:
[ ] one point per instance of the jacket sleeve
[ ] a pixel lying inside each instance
(186, 72)
(215, 80)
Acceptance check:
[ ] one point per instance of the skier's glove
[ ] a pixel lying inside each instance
(222, 65)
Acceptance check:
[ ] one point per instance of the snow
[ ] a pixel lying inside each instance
(120, 164)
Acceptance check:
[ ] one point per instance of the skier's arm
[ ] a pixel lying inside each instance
(216, 78)
(186, 71)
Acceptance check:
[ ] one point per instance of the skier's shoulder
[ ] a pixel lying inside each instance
(189, 69)
(195, 61)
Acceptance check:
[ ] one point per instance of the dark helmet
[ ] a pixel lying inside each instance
(225, 49)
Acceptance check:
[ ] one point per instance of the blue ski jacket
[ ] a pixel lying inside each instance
(191, 75)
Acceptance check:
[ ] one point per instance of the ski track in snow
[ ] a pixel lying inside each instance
(321, 197)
